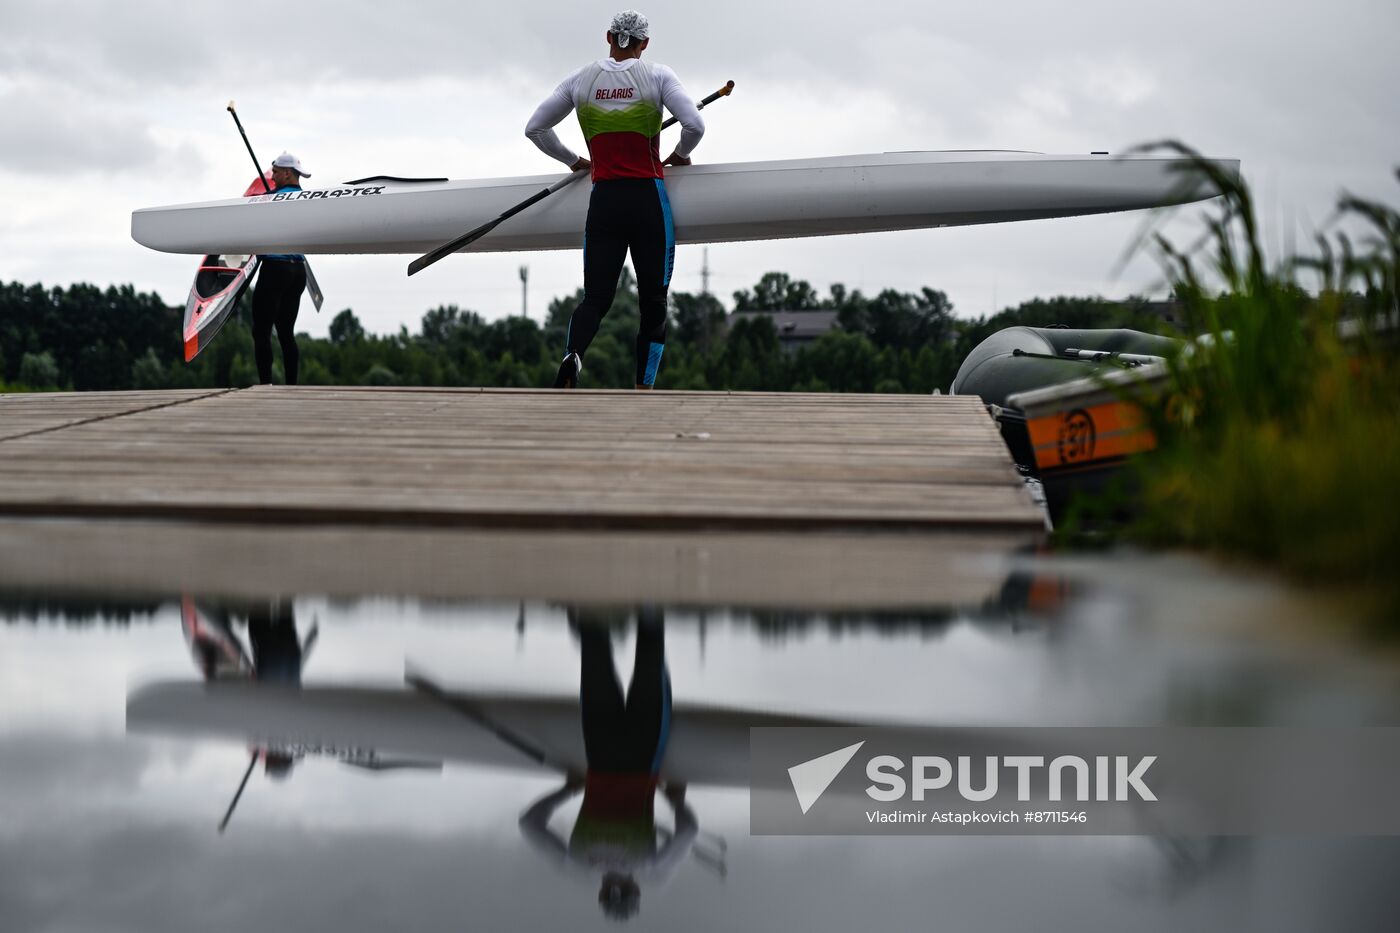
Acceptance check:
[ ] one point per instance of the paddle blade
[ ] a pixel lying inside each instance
(313, 288)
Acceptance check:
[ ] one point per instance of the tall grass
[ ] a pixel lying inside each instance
(1279, 437)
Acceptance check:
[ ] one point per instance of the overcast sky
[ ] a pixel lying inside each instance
(106, 107)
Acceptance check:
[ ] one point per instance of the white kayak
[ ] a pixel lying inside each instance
(714, 203)
(708, 745)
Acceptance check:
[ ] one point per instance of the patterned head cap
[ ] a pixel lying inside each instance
(629, 25)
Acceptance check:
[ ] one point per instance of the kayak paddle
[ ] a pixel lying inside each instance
(313, 287)
(256, 164)
(473, 712)
(228, 815)
(427, 259)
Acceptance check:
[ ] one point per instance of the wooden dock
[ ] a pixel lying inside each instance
(817, 469)
(672, 460)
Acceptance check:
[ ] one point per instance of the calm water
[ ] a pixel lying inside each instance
(395, 810)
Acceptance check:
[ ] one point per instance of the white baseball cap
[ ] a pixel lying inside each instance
(287, 160)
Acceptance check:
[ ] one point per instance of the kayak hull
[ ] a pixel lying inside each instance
(218, 284)
(216, 651)
(708, 745)
(724, 202)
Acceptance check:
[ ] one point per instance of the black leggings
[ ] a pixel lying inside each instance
(625, 735)
(272, 630)
(276, 301)
(623, 214)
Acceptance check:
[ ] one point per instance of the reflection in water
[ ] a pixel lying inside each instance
(617, 762)
(622, 736)
(615, 833)
(279, 653)
(625, 738)
(28, 608)
(1025, 599)
(217, 651)
(519, 708)
(278, 657)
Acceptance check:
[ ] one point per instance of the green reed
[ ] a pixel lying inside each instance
(1279, 431)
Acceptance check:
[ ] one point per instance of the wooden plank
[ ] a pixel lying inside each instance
(529, 458)
(23, 413)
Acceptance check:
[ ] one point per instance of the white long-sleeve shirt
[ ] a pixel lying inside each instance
(619, 106)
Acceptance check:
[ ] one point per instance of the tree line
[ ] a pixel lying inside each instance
(86, 338)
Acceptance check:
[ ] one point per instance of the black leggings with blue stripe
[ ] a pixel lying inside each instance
(627, 214)
(625, 734)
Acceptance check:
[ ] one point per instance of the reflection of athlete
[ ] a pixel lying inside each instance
(618, 101)
(615, 833)
(278, 657)
(278, 654)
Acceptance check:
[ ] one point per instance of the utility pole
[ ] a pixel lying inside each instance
(524, 291)
(705, 273)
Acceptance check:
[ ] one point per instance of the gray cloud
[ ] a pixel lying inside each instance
(54, 131)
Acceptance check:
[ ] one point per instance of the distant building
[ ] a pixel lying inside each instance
(796, 329)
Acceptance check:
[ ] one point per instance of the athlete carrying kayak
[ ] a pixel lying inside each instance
(619, 100)
(277, 297)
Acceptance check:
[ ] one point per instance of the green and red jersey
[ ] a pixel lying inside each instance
(619, 106)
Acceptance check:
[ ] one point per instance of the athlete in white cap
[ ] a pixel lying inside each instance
(618, 101)
(277, 297)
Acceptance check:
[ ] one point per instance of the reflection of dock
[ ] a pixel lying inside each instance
(478, 474)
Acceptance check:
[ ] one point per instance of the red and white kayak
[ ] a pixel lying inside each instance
(217, 652)
(714, 203)
(218, 284)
